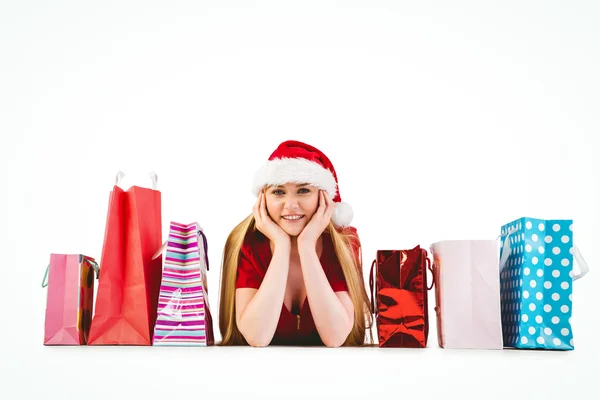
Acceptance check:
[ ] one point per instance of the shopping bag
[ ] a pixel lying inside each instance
(184, 317)
(400, 301)
(537, 283)
(128, 288)
(70, 298)
(467, 293)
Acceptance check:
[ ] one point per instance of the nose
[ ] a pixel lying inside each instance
(291, 203)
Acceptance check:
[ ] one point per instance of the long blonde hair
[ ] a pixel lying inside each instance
(343, 243)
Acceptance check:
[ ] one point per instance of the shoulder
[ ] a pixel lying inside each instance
(352, 240)
(254, 243)
(350, 233)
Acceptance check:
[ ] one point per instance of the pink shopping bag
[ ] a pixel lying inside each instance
(467, 280)
(70, 299)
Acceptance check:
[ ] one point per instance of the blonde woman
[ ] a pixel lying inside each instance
(292, 270)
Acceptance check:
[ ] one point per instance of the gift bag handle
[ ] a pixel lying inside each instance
(160, 250)
(430, 268)
(205, 241)
(371, 281)
(583, 266)
(45, 280)
(505, 249)
(94, 265)
(371, 286)
(120, 175)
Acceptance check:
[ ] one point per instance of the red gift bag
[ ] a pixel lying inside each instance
(400, 304)
(129, 284)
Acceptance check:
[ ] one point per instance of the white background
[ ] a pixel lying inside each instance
(444, 120)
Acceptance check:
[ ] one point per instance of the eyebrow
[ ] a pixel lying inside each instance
(297, 185)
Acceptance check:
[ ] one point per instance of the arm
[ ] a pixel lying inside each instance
(258, 310)
(333, 312)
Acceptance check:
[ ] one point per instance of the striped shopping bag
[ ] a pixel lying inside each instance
(184, 317)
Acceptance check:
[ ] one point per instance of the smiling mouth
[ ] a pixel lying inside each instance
(292, 218)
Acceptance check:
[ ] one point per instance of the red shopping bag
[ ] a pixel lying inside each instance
(400, 301)
(129, 282)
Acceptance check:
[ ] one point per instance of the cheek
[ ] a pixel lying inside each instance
(311, 203)
(274, 207)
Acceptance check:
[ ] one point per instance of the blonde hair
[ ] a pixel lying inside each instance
(343, 243)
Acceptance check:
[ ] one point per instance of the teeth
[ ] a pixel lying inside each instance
(292, 217)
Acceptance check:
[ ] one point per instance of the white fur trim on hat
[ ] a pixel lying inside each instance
(294, 170)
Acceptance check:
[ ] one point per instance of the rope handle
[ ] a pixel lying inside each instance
(45, 280)
(153, 177)
(371, 286)
(93, 263)
(200, 233)
(430, 268)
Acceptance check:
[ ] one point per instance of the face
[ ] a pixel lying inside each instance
(291, 206)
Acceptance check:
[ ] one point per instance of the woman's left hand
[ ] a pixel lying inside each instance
(319, 221)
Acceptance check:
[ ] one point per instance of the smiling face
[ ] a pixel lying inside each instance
(291, 206)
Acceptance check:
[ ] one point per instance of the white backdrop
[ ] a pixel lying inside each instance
(444, 120)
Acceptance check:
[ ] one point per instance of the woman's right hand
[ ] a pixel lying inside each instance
(265, 224)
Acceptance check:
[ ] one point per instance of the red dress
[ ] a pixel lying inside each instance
(292, 329)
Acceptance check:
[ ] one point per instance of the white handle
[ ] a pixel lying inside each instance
(582, 264)
(506, 250)
(154, 178)
(160, 250)
(120, 175)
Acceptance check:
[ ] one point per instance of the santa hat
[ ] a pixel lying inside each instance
(297, 162)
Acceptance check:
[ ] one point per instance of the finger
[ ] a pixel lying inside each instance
(328, 202)
(263, 207)
(322, 202)
(326, 198)
(257, 202)
(256, 209)
(260, 204)
(330, 210)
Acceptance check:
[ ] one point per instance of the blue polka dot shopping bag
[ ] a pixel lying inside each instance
(536, 283)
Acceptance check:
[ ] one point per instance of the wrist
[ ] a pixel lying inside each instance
(305, 245)
(283, 244)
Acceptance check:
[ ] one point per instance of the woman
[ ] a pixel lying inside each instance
(292, 271)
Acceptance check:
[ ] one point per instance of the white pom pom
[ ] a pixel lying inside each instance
(342, 214)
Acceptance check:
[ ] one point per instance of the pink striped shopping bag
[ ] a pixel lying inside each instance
(184, 317)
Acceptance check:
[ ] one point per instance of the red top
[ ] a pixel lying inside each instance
(255, 258)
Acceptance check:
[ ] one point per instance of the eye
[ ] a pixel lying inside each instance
(277, 192)
(304, 190)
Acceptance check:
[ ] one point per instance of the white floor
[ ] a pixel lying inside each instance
(295, 373)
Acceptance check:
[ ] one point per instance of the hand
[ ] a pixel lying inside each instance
(319, 221)
(265, 224)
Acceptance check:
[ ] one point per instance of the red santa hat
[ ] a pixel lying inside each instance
(297, 162)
